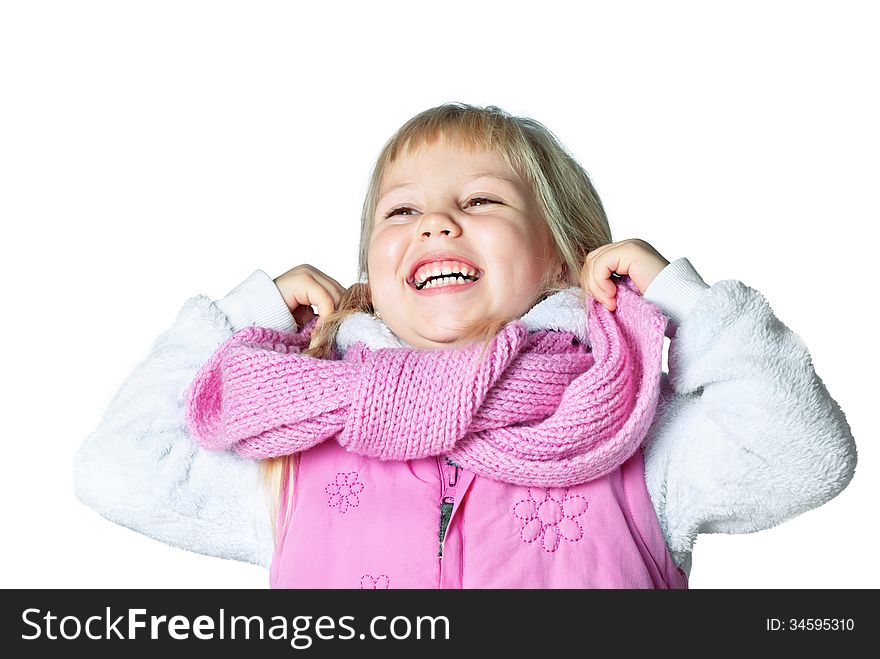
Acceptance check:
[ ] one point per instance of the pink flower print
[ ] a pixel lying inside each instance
(343, 492)
(369, 582)
(549, 514)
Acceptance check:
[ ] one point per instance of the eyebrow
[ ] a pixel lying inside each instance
(470, 177)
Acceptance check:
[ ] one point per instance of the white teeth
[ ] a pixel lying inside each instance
(444, 268)
(444, 281)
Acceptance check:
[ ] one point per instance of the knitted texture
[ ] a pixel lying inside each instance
(535, 409)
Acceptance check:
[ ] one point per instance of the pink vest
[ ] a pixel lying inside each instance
(359, 522)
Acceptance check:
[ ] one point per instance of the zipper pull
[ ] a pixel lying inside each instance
(453, 475)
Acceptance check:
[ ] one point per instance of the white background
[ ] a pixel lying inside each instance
(151, 151)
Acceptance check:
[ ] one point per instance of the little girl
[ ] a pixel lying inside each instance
(466, 416)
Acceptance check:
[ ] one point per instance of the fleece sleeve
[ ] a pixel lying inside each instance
(140, 468)
(746, 434)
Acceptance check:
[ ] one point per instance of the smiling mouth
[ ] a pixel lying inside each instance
(440, 281)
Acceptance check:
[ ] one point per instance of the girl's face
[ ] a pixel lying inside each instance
(450, 207)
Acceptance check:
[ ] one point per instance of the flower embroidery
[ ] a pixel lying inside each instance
(369, 582)
(549, 514)
(343, 492)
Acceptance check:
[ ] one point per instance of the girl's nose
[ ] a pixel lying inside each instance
(438, 223)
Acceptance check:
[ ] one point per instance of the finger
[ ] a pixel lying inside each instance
(333, 287)
(599, 286)
(587, 271)
(602, 271)
(323, 299)
(588, 283)
(598, 291)
(313, 293)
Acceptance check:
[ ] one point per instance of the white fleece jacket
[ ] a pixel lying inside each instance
(746, 435)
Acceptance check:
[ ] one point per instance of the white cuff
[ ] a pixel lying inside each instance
(257, 301)
(675, 290)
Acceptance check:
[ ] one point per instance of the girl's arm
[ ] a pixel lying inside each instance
(140, 469)
(746, 435)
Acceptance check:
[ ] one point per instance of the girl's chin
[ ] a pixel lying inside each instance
(429, 336)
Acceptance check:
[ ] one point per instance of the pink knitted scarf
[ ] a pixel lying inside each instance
(538, 408)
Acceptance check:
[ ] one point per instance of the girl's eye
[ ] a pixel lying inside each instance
(396, 211)
(482, 199)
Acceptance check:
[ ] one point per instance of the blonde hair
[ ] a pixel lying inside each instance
(568, 202)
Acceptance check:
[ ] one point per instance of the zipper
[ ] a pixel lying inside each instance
(449, 472)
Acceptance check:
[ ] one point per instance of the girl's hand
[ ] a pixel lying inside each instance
(304, 286)
(634, 258)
